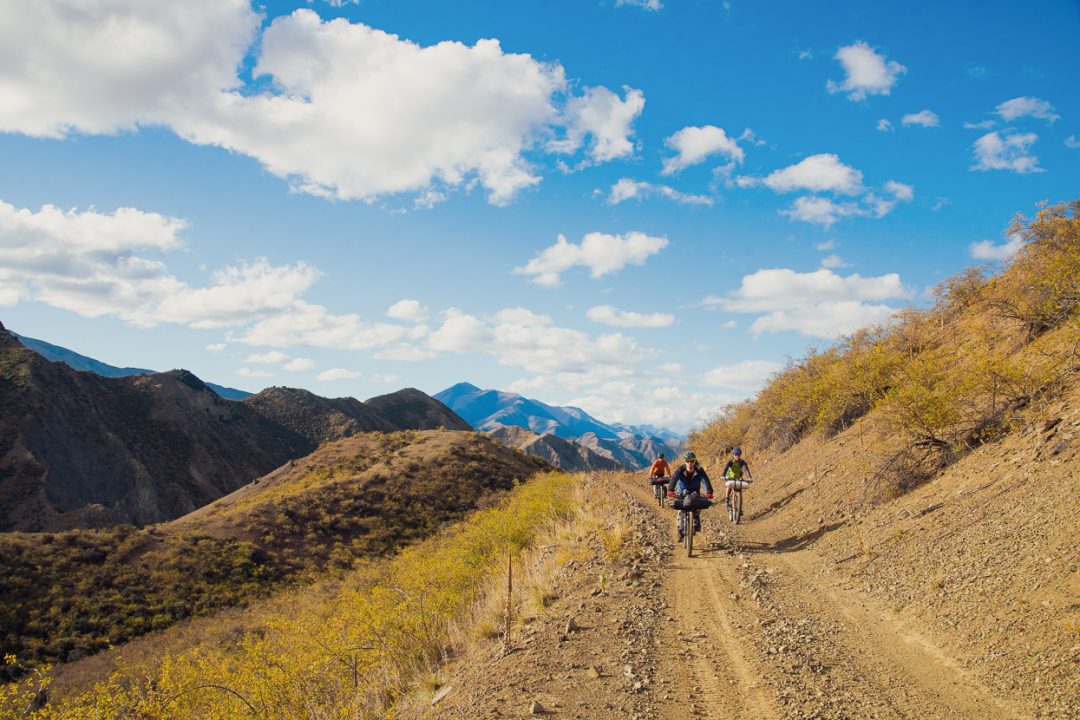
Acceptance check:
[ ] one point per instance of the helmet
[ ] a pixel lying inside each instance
(661, 456)
(688, 455)
(736, 451)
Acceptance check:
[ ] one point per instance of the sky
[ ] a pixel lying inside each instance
(639, 207)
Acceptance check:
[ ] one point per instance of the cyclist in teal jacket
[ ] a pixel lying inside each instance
(689, 478)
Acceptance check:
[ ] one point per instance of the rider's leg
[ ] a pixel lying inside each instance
(697, 520)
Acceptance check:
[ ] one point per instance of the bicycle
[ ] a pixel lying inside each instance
(686, 520)
(659, 491)
(735, 504)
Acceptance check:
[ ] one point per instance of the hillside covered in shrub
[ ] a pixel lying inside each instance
(66, 595)
(940, 380)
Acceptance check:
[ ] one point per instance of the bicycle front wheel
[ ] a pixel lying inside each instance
(689, 540)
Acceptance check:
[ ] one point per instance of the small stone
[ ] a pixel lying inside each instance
(593, 672)
(571, 627)
(537, 708)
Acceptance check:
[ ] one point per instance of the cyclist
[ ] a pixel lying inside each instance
(689, 478)
(660, 468)
(735, 470)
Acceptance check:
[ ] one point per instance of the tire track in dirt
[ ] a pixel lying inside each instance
(754, 633)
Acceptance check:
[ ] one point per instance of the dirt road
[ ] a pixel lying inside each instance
(752, 626)
(761, 634)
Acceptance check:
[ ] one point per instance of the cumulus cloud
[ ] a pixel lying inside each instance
(885, 125)
(607, 120)
(410, 310)
(338, 109)
(518, 337)
(1072, 143)
(603, 254)
(337, 374)
(925, 118)
(627, 189)
(817, 173)
(304, 323)
(671, 404)
(109, 264)
(1027, 107)
(748, 374)
(115, 64)
(983, 125)
(994, 151)
(692, 145)
(833, 262)
(822, 211)
(988, 250)
(866, 72)
(607, 315)
(818, 304)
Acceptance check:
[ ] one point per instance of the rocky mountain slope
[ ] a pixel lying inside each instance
(561, 453)
(487, 410)
(80, 450)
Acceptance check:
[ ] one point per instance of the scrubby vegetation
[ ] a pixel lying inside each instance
(71, 594)
(943, 379)
(346, 648)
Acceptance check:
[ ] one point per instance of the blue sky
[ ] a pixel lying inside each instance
(357, 197)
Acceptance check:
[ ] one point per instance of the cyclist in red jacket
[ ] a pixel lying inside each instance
(660, 468)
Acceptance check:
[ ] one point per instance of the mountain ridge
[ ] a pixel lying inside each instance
(78, 449)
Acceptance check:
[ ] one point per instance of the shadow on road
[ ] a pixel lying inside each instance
(791, 543)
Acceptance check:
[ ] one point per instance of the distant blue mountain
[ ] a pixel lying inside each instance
(489, 410)
(74, 360)
(492, 409)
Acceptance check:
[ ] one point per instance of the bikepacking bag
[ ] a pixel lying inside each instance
(737, 484)
(690, 502)
(658, 481)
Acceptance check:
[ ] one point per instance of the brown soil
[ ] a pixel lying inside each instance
(957, 600)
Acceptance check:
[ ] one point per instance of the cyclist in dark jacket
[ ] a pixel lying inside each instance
(689, 478)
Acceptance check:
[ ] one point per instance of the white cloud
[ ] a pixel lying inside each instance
(825, 212)
(627, 189)
(410, 310)
(337, 374)
(646, 4)
(832, 262)
(925, 118)
(817, 173)
(1027, 107)
(822, 211)
(216, 347)
(748, 374)
(983, 125)
(885, 125)
(304, 323)
(249, 373)
(112, 65)
(603, 254)
(867, 72)
(108, 264)
(607, 315)
(340, 109)
(669, 405)
(299, 365)
(268, 358)
(819, 303)
(899, 190)
(987, 250)
(826, 245)
(1072, 143)
(693, 145)
(518, 337)
(383, 379)
(605, 118)
(1009, 152)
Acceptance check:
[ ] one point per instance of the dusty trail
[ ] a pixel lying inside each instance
(757, 631)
